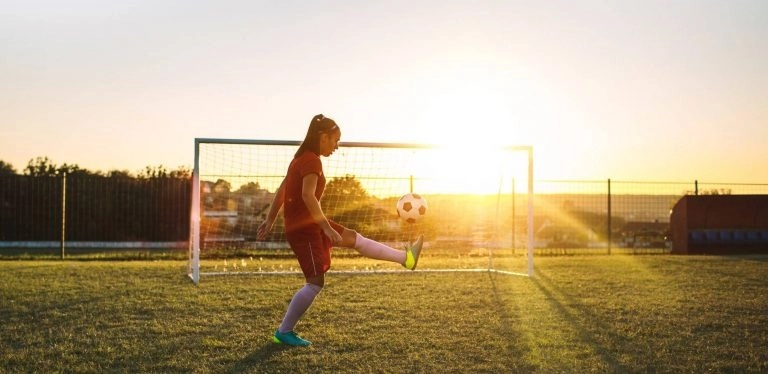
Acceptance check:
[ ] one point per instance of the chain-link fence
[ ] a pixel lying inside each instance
(571, 216)
(614, 216)
(93, 211)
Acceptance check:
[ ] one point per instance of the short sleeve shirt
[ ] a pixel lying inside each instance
(297, 216)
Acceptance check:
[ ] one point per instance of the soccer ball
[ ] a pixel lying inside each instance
(411, 207)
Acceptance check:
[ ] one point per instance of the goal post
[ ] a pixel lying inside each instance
(479, 217)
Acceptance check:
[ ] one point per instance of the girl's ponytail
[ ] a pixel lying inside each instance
(318, 125)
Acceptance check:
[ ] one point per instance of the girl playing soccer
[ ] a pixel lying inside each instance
(310, 233)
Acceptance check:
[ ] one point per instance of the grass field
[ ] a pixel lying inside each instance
(653, 313)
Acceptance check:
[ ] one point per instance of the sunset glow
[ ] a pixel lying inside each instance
(645, 90)
(472, 169)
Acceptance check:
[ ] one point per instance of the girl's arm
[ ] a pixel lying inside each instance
(277, 203)
(308, 187)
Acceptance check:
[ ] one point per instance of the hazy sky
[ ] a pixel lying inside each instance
(657, 90)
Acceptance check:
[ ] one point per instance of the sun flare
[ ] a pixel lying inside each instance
(472, 169)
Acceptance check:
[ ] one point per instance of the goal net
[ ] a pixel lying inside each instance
(479, 217)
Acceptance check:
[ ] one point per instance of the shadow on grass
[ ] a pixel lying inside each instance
(256, 361)
(548, 288)
(514, 346)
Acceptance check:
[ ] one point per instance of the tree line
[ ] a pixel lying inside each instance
(45, 167)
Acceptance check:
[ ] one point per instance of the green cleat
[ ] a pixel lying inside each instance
(290, 338)
(412, 253)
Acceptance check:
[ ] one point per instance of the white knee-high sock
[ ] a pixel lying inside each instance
(299, 304)
(373, 249)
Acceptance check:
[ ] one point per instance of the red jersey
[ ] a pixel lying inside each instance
(295, 212)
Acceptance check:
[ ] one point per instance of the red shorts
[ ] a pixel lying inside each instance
(313, 249)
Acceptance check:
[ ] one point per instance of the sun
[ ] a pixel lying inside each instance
(472, 135)
(472, 112)
(476, 107)
(472, 169)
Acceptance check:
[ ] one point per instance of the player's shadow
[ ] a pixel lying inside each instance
(577, 314)
(515, 349)
(256, 360)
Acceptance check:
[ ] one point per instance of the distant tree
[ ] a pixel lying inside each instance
(151, 172)
(249, 188)
(346, 193)
(119, 174)
(222, 186)
(160, 171)
(6, 169)
(75, 170)
(40, 167)
(347, 187)
(44, 167)
(182, 172)
(716, 191)
(221, 199)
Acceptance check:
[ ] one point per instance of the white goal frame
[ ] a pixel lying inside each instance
(195, 212)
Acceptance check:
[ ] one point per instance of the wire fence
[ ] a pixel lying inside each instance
(612, 216)
(571, 216)
(45, 212)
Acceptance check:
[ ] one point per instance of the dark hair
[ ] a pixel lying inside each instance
(320, 124)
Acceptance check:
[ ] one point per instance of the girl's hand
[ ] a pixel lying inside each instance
(264, 229)
(333, 235)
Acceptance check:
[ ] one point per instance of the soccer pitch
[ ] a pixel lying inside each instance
(651, 313)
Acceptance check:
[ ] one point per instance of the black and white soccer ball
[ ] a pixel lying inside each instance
(411, 207)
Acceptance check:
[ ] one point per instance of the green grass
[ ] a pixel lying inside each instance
(618, 313)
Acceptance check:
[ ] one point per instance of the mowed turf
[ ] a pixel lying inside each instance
(656, 313)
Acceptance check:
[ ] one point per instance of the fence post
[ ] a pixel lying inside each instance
(609, 216)
(63, 212)
(696, 187)
(514, 227)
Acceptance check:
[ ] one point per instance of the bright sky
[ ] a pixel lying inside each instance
(657, 90)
